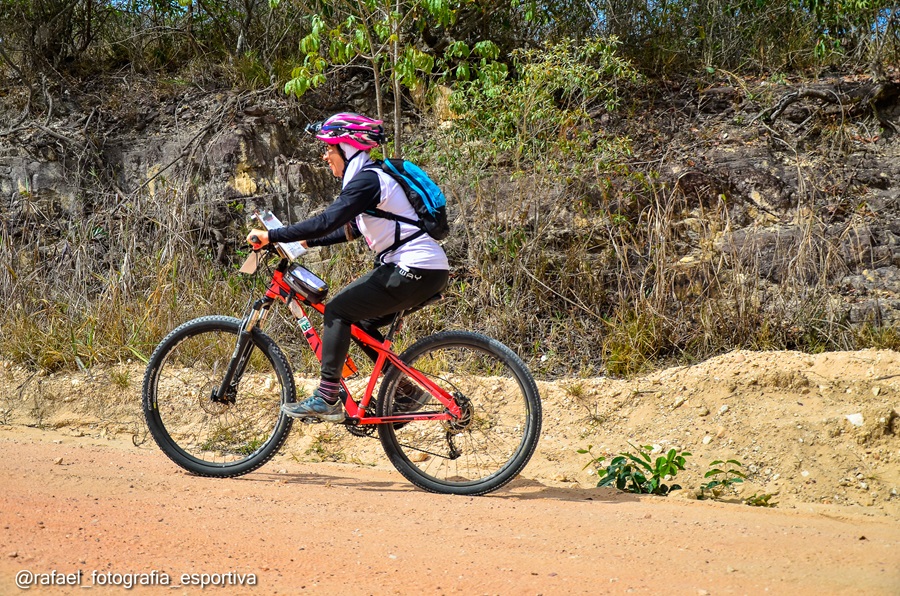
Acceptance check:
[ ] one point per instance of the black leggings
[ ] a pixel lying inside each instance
(371, 301)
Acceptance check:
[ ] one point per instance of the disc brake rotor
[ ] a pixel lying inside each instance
(467, 415)
(210, 406)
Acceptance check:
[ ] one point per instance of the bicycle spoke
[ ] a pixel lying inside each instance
(496, 433)
(208, 436)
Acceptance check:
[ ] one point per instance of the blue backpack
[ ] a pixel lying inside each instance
(424, 195)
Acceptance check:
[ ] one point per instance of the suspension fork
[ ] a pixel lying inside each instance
(242, 350)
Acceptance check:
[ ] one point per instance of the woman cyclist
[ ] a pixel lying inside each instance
(411, 266)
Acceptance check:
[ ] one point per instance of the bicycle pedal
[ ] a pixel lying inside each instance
(311, 420)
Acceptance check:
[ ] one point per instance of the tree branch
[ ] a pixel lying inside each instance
(9, 61)
(862, 99)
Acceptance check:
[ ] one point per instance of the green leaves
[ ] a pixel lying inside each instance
(410, 64)
(543, 115)
(310, 43)
(462, 63)
(486, 49)
(440, 11)
(369, 31)
(722, 479)
(304, 78)
(457, 49)
(638, 472)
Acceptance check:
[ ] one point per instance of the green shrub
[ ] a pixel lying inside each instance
(542, 117)
(638, 472)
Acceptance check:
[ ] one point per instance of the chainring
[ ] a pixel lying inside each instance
(364, 430)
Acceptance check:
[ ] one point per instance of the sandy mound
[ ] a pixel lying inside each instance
(818, 430)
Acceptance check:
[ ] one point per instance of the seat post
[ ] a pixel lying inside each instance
(398, 318)
(396, 323)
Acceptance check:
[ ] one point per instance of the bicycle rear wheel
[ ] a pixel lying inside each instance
(208, 437)
(497, 433)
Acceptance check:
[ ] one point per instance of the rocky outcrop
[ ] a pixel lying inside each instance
(218, 155)
(804, 188)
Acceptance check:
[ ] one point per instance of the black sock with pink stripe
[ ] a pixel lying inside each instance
(329, 390)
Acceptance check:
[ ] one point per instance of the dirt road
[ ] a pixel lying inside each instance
(108, 509)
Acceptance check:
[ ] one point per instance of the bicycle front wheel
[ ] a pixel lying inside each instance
(495, 436)
(212, 437)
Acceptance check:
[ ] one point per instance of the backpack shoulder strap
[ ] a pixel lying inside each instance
(378, 166)
(398, 242)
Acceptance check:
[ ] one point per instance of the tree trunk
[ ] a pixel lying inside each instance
(396, 81)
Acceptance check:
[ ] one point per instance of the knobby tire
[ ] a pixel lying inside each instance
(203, 436)
(498, 433)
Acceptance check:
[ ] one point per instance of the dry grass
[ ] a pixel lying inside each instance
(589, 292)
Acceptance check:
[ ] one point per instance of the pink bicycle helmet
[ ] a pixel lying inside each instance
(356, 130)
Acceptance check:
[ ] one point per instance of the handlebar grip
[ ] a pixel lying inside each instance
(255, 243)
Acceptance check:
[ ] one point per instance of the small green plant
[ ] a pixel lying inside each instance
(575, 390)
(327, 446)
(722, 479)
(249, 447)
(120, 378)
(878, 337)
(763, 500)
(638, 472)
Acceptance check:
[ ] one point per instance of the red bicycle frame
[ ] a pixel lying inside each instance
(356, 411)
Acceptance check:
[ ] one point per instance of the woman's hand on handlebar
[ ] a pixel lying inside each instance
(258, 238)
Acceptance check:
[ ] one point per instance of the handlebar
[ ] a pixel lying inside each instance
(273, 248)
